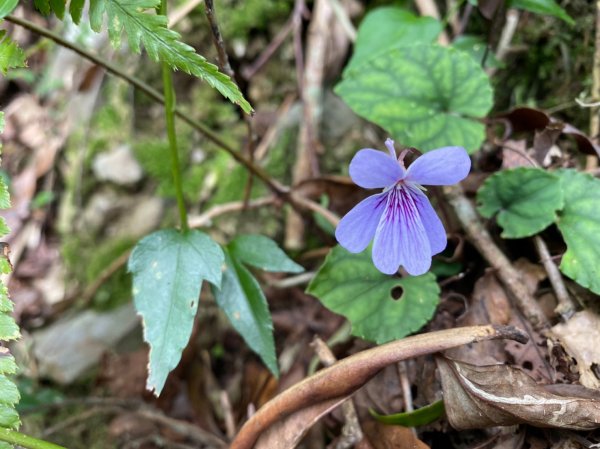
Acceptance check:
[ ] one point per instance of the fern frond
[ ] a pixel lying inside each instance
(9, 394)
(151, 31)
(11, 55)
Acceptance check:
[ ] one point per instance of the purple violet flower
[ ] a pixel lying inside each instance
(405, 227)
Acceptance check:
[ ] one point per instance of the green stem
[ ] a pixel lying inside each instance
(14, 437)
(169, 93)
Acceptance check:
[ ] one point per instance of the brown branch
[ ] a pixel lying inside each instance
(346, 376)
(218, 39)
(592, 161)
(482, 240)
(566, 307)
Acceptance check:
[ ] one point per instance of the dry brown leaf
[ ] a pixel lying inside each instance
(500, 395)
(382, 436)
(576, 336)
(287, 433)
(343, 378)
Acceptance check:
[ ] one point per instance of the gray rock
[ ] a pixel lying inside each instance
(118, 166)
(69, 347)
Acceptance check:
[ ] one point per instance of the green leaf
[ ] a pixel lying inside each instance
(161, 43)
(475, 47)
(389, 26)
(579, 223)
(423, 95)
(8, 328)
(4, 196)
(549, 7)
(43, 6)
(420, 417)
(7, 6)
(9, 417)
(75, 9)
(7, 363)
(262, 252)
(11, 55)
(349, 284)
(168, 268)
(8, 391)
(58, 7)
(525, 199)
(242, 300)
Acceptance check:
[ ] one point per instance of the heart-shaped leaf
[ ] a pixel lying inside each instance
(425, 96)
(349, 284)
(168, 268)
(579, 223)
(525, 199)
(389, 26)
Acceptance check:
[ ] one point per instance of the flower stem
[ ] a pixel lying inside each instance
(14, 437)
(170, 106)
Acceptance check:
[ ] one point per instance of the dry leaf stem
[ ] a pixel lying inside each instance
(482, 240)
(346, 376)
(351, 432)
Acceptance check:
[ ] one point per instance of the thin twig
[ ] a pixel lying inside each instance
(510, 26)
(518, 151)
(248, 72)
(592, 161)
(406, 391)
(342, 16)
(566, 306)
(218, 39)
(205, 219)
(306, 166)
(351, 432)
(482, 240)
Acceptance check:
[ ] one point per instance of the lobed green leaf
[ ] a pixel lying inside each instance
(11, 55)
(350, 285)
(244, 303)
(579, 223)
(526, 200)
(263, 253)
(425, 96)
(9, 417)
(168, 269)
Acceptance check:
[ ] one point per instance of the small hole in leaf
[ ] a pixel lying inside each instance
(192, 304)
(527, 365)
(397, 293)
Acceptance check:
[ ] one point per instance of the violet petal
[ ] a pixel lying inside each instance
(431, 222)
(441, 167)
(357, 228)
(400, 238)
(373, 169)
(389, 143)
